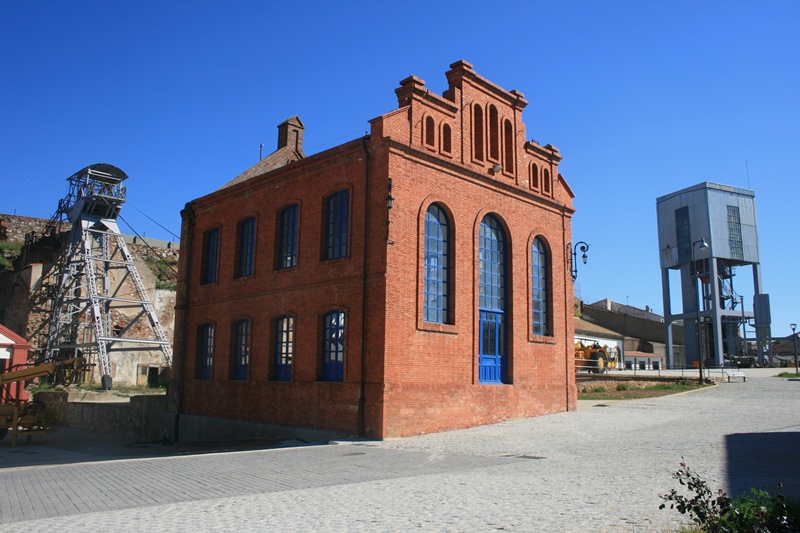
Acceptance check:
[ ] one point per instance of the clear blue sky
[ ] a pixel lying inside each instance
(643, 98)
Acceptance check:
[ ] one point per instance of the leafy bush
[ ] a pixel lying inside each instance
(715, 512)
(622, 386)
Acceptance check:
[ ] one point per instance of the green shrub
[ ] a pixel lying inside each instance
(622, 386)
(599, 389)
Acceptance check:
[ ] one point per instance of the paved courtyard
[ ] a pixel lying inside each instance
(598, 469)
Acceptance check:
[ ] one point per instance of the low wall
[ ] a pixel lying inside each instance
(193, 428)
(141, 417)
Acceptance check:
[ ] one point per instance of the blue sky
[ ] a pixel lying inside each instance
(643, 98)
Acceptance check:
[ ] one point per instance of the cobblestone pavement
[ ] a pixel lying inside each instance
(598, 469)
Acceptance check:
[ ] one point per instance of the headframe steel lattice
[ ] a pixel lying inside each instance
(91, 313)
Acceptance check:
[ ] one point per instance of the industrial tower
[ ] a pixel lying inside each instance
(708, 231)
(92, 315)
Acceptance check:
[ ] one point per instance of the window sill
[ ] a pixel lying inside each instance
(541, 339)
(435, 327)
(334, 259)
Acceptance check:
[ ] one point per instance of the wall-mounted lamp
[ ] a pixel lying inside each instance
(583, 247)
(497, 169)
(389, 197)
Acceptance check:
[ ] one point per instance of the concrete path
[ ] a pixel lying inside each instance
(598, 469)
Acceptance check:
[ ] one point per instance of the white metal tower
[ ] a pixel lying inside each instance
(94, 312)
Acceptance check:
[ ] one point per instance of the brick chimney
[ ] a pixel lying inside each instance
(290, 133)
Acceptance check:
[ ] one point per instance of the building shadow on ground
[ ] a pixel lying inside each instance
(761, 461)
(71, 446)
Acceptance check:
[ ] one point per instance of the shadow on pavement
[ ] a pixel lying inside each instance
(71, 446)
(761, 461)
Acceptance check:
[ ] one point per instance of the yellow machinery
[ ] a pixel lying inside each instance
(27, 417)
(594, 358)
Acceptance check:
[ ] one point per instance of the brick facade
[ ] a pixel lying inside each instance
(464, 151)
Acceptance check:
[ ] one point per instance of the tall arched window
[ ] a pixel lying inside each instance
(546, 181)
(246, 244)
(241, 351)
(210, 256)
(493, 363)
(284, 348)
(494, 134)
(430, 132)
(534, 176)
(447, 139)
(287, 237)
(205, 351)
(336, 227)
(539, 282)
(437, 266)
(508, 143)
(477, 132)
(333, 336)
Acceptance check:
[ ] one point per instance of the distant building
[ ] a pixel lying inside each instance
(411, 281)
(13, 356)
(643, 346)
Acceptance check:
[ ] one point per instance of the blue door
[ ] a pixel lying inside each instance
(492, 360)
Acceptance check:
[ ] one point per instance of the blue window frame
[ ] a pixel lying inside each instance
(333, 336)
(241, 351)
(210, 256)
(539, 283)
(437, 283)
(247, 247)
(492, 357)
(284, 348)
(205, 351)
(337, 218)
(287, 238)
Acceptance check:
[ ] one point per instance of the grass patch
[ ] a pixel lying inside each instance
(789, 375)
(12, 249)
(624, 391)
(165, 271)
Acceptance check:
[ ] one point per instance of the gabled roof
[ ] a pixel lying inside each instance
(290, 148)
(277, 159)
(10, 335)
(588, 328)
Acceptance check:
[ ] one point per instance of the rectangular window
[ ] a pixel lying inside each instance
(337, 214)
(284, 348)
(287, 240)
(333, 330)
(735, 233)
(205, 351)
(683, 232)
(241, 351)
(247, 248)
(210, 256)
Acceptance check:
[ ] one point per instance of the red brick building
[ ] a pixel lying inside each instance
(411, 281)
